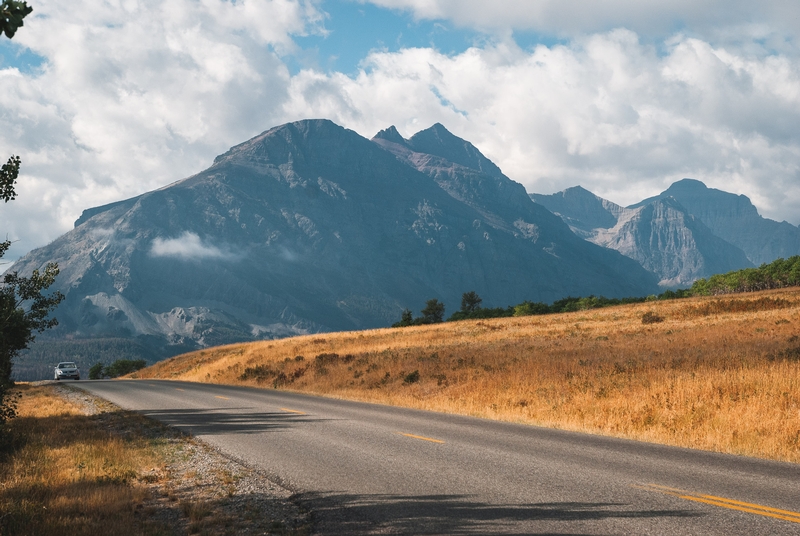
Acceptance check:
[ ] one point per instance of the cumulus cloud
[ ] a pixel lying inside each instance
(622, 118)
(133, 95)
(573, 17)
(187, 246)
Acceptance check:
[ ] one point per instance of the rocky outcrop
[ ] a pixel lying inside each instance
(736, 220)
(310, 227)
(661, 235)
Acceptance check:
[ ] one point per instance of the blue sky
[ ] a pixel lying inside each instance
(623, 97)
(354, 29)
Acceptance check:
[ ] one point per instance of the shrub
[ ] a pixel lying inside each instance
(411, 377)
(96, 371)
(651, 318)
(258, 373)
(122, 367)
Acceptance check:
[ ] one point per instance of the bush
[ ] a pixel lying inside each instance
(96, 371)
(411, 377)
(528, 308)
(122, 367)
(651, 318)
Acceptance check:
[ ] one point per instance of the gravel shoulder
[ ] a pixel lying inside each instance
(197, 489)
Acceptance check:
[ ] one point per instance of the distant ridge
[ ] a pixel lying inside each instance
(687, 232)
(735, 219)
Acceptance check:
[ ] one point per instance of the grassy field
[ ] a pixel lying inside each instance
(67, 475)
(715, 373)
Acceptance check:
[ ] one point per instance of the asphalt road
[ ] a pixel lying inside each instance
(372, 469)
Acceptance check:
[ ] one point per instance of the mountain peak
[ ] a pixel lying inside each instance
(687, 185)
(438, 141)
(579, 208)
(390, 134)
(297, 132)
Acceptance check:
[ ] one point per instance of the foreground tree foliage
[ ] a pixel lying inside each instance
(12, 14)
(24, 309)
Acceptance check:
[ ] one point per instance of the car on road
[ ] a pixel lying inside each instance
(67, 369)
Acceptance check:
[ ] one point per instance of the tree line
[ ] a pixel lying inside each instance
(780, 273)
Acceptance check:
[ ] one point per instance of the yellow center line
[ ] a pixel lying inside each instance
(722, 502)
(178, 389)
(421, 437)
(293, 411)
(222, 397)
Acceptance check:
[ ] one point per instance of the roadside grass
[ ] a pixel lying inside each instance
(117, 472)
(714, 373)
(64, 474)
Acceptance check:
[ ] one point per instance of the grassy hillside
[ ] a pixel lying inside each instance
(717, 373)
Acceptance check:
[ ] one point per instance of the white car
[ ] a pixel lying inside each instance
(67, 369)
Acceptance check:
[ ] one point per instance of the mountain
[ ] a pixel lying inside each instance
(661, 235)
(734, 219)
(309, 227)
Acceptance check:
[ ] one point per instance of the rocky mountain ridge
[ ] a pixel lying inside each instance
(687, 232)
(309, 227)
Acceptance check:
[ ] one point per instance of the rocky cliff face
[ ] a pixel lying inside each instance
(734, 219)
(310, 227)
(661, 235)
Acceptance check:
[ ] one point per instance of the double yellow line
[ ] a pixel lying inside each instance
(722, 502)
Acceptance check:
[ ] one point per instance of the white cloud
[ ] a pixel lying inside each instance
(654, 18)
(187, 246)
(135, 94)
(605, 111)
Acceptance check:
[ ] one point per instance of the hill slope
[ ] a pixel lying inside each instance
(713, 373)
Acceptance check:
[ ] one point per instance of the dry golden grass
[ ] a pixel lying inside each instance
(719, 374)
(66, 475)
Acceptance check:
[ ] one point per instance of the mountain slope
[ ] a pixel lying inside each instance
(660, 235)
(310, 227)
(734, 218)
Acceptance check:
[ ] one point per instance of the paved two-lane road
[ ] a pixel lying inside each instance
(366, 468)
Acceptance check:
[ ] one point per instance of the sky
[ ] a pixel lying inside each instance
(107, 99)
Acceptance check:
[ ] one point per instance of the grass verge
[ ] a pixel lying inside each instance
(714, 373)
(116, 472)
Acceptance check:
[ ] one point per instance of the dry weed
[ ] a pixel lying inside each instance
(65, 475)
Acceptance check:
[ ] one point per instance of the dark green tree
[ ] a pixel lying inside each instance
(12, 14)
(406, 319)
(96, 371)
(121, 367)
(433, 313)
(23, 311)
(470, 302)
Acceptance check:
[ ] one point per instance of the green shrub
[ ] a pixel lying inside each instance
(96, 371)
(122, 367)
